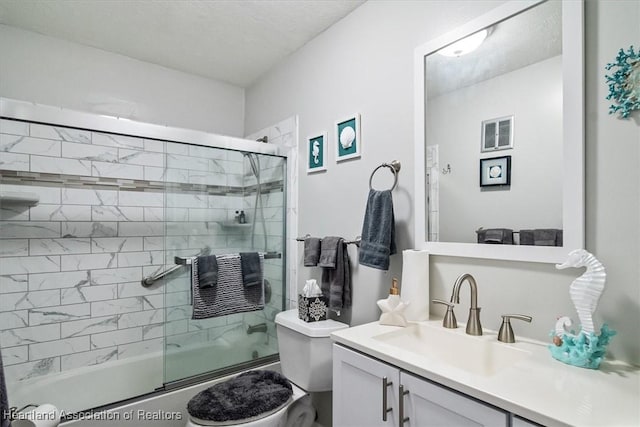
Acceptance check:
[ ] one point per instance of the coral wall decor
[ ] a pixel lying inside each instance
(624, 83)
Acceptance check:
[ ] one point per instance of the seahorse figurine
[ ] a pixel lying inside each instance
(585, 291)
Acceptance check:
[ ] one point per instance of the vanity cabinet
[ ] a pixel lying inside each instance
(368, 392)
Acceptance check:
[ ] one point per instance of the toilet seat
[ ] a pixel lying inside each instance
(242, 421)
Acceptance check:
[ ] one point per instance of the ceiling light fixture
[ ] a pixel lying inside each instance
(464, 46)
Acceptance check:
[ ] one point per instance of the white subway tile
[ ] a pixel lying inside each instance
(14, 247)
(14, 355)
(30, 264)
(38, 282)
(59, 347)
(59, 246)
(200, 324)
(14, 162)
(123, 305)
(14, 283)
(176, 214)
(88, 358)
(174, 299)
(116, 213)
(141, 198)
(116, 244)
(14, 319)
(89, 152)
(207, 178)
(144, 158)
(49, 195)
(153, 243)
(110, 339)
(87, 262)
(116, 170)
(153, 214)
(177, 148)
(135, 289)
(88, 293)
(153, 302)
(88, 326)
(60, 165)
(147, 347)
(154, 174)
(28, 145)
(116, 275)
(14, 213)
(130, 259)
(177, 175)
(118, 141)
(25, 371)
(60, 213)
(176, 200)
(140, 318)
(177, 327)
(152, 145)
(175, 161)
(80, 196)
(26, 300)
(127, 229)
(208, 214)
(88, 229)
(153, 331)
(188, 339)
(63, 313)
(60, 133)
(30, 335)
(14, 127)
(178, 313)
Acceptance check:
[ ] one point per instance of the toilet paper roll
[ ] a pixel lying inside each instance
(415, 284)
(45, 415)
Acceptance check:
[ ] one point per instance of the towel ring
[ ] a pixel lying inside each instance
(395, 168)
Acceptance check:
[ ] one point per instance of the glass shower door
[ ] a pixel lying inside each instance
(221, 202)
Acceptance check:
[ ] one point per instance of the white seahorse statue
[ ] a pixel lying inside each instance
(585, 291)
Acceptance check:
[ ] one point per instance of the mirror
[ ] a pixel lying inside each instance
(499, 135)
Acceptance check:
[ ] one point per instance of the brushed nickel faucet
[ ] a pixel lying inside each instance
(473, 323)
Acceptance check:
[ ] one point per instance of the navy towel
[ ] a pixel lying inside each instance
(207, 271)
(4, 400)
(251, 268)
(378, 231)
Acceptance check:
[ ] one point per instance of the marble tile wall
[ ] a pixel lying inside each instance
(71, 265)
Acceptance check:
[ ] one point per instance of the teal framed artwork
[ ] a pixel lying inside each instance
(348, 142)
(316, 152)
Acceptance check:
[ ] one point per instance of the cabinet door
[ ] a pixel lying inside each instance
(427, 404)
(521, 422)
(359, 391)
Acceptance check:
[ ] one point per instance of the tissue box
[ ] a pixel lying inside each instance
(312, 309)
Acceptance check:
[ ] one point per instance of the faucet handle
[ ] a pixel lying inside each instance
(506, 331)
(449, 320)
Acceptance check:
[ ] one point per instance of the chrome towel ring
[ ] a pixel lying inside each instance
(395, 168)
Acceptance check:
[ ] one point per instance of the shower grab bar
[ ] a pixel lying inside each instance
(355, 241)
(182, 261)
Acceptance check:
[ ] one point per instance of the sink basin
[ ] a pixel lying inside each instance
(481, 355)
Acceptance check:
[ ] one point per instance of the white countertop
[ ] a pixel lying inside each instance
(537, 387)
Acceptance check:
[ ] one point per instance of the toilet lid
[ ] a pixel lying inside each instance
(249, 396)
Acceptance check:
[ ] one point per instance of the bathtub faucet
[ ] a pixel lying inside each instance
(261, 327)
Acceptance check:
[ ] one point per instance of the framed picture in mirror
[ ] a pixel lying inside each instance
(495, 171)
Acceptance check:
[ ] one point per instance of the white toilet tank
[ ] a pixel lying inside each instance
(305, 350)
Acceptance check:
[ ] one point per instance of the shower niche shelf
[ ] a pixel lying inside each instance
(16, 198)
(235, 225)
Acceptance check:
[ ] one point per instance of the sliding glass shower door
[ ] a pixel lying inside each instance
(221, 202)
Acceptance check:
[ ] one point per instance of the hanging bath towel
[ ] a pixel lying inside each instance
(378, 231)
(229, 295)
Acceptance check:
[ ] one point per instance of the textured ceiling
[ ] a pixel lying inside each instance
(235, 41)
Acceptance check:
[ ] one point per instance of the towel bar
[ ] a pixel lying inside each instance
(182, 261)
(355, 241)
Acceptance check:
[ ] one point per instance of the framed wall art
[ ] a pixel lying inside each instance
(317, 152)
(348, 142)
(495, 171)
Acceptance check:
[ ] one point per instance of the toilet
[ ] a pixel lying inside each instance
(306, 361)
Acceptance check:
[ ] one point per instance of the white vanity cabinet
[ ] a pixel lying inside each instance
(367, 392)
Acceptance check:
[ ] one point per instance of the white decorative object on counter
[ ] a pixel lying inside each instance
(393, 308)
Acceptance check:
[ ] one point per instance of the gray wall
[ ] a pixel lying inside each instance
(364, 64)
(55, 72)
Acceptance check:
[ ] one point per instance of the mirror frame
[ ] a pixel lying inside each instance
(573, 139)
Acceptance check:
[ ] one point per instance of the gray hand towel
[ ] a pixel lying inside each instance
(545, 237)
(378, 231)
(251, 268)
(336, 282)
(311, 251)
(328, 247)
(500, 236)
(4, 399)
(207, 271)
(526, 237)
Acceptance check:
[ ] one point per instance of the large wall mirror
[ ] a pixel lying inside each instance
(499, 135)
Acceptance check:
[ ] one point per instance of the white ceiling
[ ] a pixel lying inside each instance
(235, 41)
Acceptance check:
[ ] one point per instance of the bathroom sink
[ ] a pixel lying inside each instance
(481, 355)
